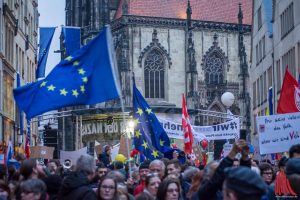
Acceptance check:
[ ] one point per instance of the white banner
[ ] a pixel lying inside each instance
(72, 155)
(227, 130)
(277, 133)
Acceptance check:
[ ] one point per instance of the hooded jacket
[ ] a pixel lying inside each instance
(76, 186)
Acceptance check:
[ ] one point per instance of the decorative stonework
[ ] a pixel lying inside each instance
(158, 47)
(213, 63)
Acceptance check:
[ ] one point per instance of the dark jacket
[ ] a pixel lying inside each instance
(211, 189)
(76, 186)
(104, 158)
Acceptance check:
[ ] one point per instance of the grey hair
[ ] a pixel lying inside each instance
(208, 171)
(34, 185)
(158, 162)
(189, 173)
(86, 163)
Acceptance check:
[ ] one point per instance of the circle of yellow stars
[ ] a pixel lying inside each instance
(64, 91)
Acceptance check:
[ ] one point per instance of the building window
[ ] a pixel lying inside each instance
(287, 20)
(265, 89)
(264, 46)
(288, 60)
(259, 18)
(214, 70)
(278, 76)
(270, 77)
(254, 95)
(154, 74)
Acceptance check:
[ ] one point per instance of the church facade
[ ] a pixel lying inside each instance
(177, 47)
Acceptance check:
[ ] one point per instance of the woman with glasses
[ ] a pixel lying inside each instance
(169, 189)
(107, 189)
(267, 173)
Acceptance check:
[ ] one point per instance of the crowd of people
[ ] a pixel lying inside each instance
(164, 179)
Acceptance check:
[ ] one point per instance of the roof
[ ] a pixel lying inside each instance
(213, 10)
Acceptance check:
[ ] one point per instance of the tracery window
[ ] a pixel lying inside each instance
(154, 74)
(214, 69)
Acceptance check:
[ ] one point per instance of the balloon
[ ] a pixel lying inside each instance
(120, 157)
(204, 144)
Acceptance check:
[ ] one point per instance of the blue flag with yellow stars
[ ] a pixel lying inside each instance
(86, 77)
(71, 37)
(46, 35)
(149, 136)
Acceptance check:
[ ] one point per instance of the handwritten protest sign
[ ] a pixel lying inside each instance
(227, 130)
(277, 133)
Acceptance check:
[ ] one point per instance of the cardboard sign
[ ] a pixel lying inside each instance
(123, 145)
(41, 152)
(277, 133)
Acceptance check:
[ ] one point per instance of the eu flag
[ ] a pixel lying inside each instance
(71, 37)
(149, 136)
(46, 35)
(85, 78)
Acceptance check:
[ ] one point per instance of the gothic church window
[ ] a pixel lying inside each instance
(214, 70)
(154, 73)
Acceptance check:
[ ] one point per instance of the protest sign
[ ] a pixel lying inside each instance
(226, 130)
(277, 133)
(72, 155)
(41, 152)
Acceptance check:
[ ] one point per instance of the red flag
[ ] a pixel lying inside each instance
(27, 149)
(187, 129)
(289, 100)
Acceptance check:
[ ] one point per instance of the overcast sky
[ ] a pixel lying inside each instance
(52, 14)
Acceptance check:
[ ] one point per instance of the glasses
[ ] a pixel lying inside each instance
(110, 187)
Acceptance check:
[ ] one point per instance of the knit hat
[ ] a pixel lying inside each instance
(244, 181)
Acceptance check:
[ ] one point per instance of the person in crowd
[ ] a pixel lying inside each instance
(123, 192)
(254, 162)
(241, 183)
(4, 191)
(117, 176)
(13, 185)
(143, 172)
(33, 189)
(31, 168)
(104, 157)
(151, 185)
(133, 180)
(210, 189)
(195, 185)
(186, 179)
(174, 167)
(102, 170)
(210, 169)
(169, 189)
(144, 196)
(236, 162)
(76, 184)
(53, 183)
(267, 173)
(294, 151)
(107, 189)
(157, 166)
(52, 166)
(293, 173)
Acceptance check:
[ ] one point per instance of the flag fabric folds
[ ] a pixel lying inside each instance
(71, 37)
(85, 78)
(149, 136)
(289, 100)
(187, 128)
(46, 35)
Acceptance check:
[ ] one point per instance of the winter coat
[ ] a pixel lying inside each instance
(76, 186)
